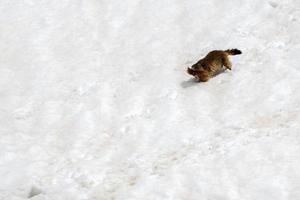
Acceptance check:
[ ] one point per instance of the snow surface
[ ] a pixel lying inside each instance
(96, 105)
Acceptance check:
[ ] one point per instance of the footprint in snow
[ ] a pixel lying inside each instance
(34, 191)
(273, 4)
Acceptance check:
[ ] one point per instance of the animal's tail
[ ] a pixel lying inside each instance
(233, 51)
(191, 71)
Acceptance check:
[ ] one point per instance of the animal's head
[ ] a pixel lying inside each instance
(191, 71)
(196, 66)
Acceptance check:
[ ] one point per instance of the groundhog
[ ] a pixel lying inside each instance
(211, 64)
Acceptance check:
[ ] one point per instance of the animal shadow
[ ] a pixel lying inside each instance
(189, 83)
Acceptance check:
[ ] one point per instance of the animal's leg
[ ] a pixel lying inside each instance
(226, 62)
(203, 76)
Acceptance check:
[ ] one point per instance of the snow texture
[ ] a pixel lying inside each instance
(95, 103)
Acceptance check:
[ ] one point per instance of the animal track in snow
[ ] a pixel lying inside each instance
(273, 4)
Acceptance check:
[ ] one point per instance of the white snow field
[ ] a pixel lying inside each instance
(95, 102)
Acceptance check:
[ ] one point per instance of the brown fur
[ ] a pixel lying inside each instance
(212, 63)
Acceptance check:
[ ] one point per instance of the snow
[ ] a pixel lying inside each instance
(96, 104)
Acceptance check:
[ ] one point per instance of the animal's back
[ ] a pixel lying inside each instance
(213, 56)
(214, 60)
